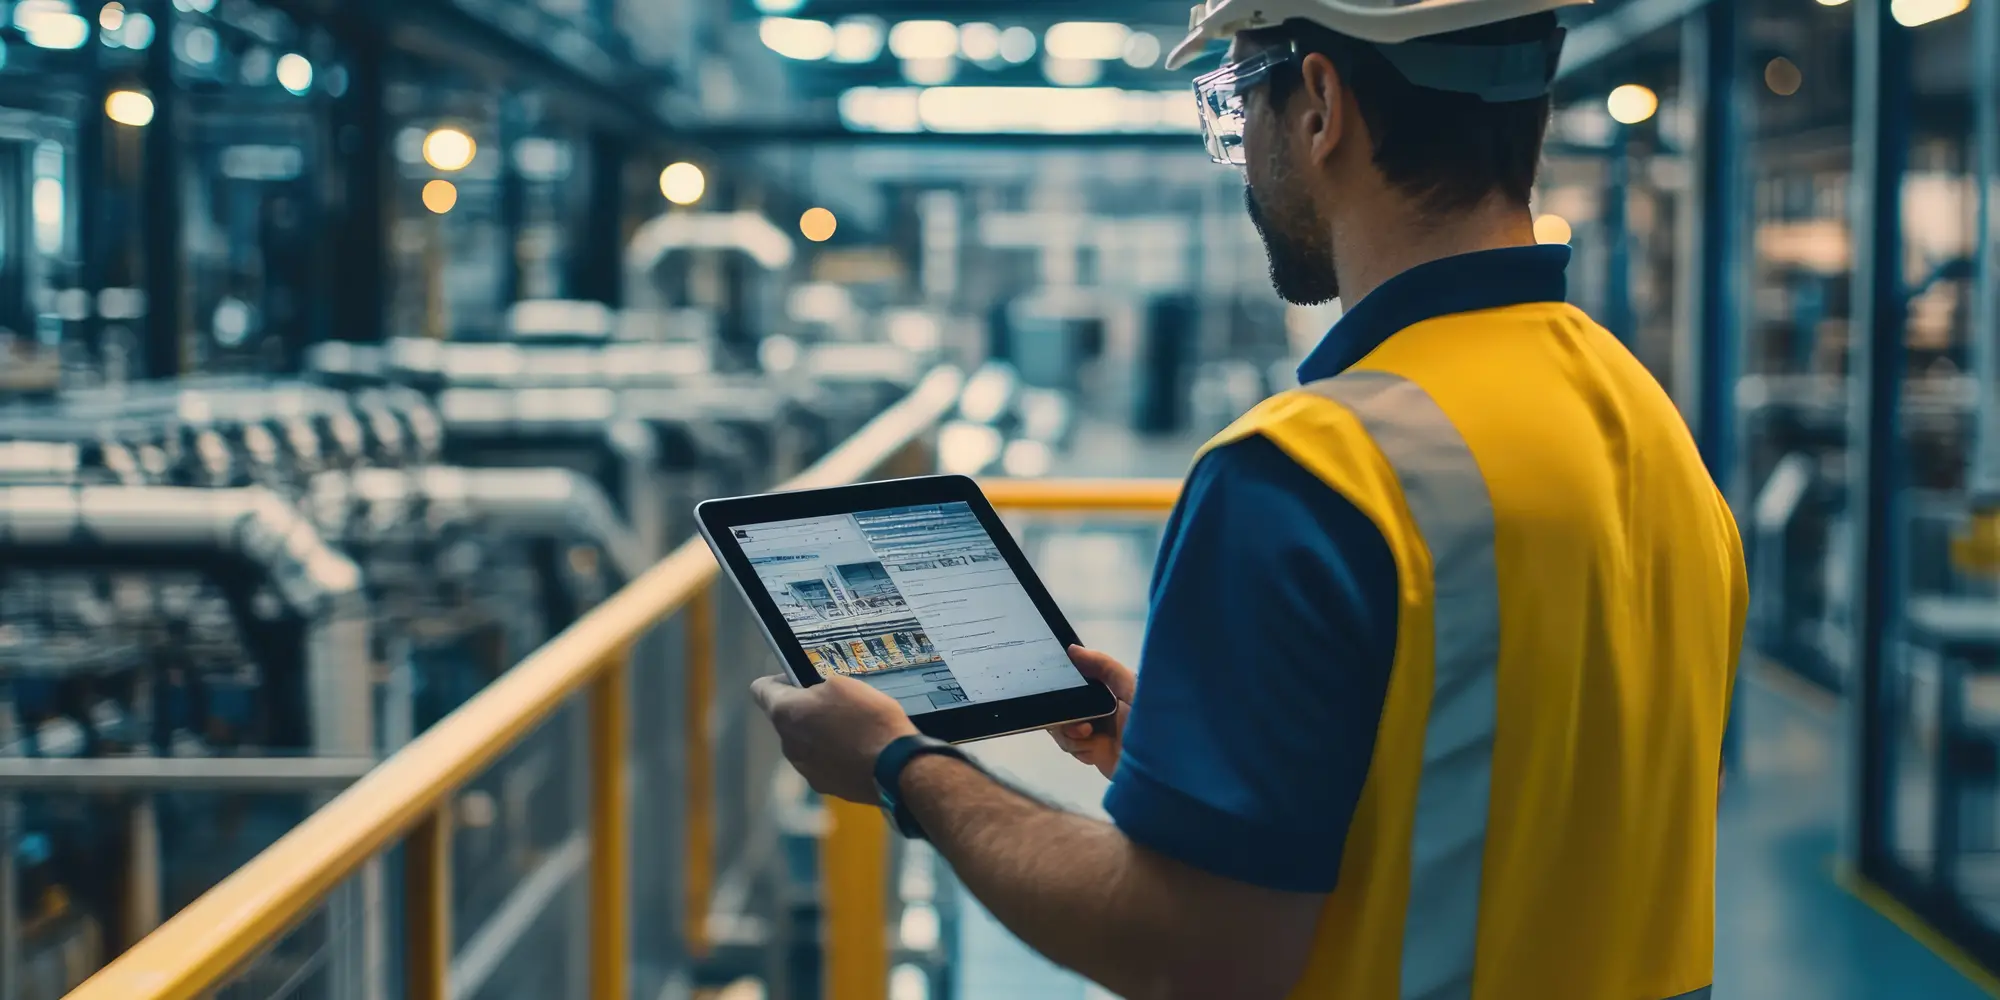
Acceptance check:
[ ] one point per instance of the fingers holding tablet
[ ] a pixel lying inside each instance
(1099, 742)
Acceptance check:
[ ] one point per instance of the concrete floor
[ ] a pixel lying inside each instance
(1784, 928)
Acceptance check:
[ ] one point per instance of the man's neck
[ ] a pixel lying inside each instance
(1378, 242)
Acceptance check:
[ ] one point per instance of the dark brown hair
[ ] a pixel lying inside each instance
(1449, 150)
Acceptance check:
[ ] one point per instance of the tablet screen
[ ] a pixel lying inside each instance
(916, 601)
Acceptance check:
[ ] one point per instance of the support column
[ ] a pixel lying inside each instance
(597, 258)
(1985, 326)
(1877, 343)
(363, 168)
(160, 210)
(513, 200)
(1712, 74)
(87, 181)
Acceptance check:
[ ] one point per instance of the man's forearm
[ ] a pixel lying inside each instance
(1079, 892)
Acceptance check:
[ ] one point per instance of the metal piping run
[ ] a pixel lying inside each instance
(525, 501)
(484, 414)
(313, 578)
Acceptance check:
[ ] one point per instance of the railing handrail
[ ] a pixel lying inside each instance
(231, 923)
(1082, 495)
(228, 926)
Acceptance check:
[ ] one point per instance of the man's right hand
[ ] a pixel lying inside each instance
(1099, 741)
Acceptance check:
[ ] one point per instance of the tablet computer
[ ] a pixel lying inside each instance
(916, 588)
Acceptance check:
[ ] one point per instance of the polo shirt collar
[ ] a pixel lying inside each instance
(1485, 279)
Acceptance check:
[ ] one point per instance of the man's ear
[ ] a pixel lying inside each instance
(1322, 111)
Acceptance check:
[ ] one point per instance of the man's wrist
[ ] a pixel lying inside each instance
(927, 770)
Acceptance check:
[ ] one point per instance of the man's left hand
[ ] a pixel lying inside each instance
(833, 731)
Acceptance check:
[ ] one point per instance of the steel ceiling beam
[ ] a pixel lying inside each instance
(1611, 32)
(597, 86)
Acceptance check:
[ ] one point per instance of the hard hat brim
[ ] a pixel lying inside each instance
(1400, 24)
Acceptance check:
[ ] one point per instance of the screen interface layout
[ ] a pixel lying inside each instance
(916, 601)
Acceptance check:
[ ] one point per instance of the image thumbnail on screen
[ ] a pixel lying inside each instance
(916, 601)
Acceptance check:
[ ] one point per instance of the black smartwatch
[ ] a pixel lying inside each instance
(889, 767)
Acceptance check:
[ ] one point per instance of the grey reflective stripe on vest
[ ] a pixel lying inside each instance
(1448, 499)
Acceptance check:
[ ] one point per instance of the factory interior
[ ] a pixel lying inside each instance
(362, 362)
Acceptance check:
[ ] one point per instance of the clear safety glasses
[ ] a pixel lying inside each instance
(1220, 94)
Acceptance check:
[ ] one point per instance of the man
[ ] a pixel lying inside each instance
(1441, 645)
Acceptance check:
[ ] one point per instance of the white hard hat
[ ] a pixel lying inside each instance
(1380, 21)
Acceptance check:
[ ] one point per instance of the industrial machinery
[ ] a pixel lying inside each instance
(250, 572)
(222, 597)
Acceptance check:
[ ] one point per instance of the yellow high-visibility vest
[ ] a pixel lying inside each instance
(1539, 818)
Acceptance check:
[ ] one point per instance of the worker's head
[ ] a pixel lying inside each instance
(1329, 122)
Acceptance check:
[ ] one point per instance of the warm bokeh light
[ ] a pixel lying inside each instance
(449, 149)
(683, 183)
(923, 40)
(818, 225)
(803, 39)
(112, 17)
(1142, 50)
(1103, 40)
(1911, 13)
(1552, 229)
(129, 107)
(1783, 77)
(1632, 104)
(858, 39)
(979, 41)
(440, 196)
(295, 73)
(1831, 3)
(1018, 44)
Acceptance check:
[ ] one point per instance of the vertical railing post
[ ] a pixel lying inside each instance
(854, 902)
(610, 832)
(698, 707)
(427, 907)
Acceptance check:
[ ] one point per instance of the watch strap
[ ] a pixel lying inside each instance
(889, 765)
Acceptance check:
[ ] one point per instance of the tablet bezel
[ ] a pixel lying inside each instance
(718, 518)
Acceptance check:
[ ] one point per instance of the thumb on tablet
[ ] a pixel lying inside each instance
(1107, 671)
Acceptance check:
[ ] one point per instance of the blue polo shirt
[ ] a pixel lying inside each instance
(1272, 629)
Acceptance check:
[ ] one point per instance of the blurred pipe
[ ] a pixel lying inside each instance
(557, 503)
(257, 524)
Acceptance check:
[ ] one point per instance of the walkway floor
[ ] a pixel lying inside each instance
(1784, 928)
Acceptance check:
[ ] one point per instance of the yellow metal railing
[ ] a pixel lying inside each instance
(407, 799)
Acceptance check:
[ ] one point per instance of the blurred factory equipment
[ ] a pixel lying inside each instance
(241, 569)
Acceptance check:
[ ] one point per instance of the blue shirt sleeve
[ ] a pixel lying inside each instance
(1261, 681)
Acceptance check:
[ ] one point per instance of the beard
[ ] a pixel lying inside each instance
(1298, 247)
